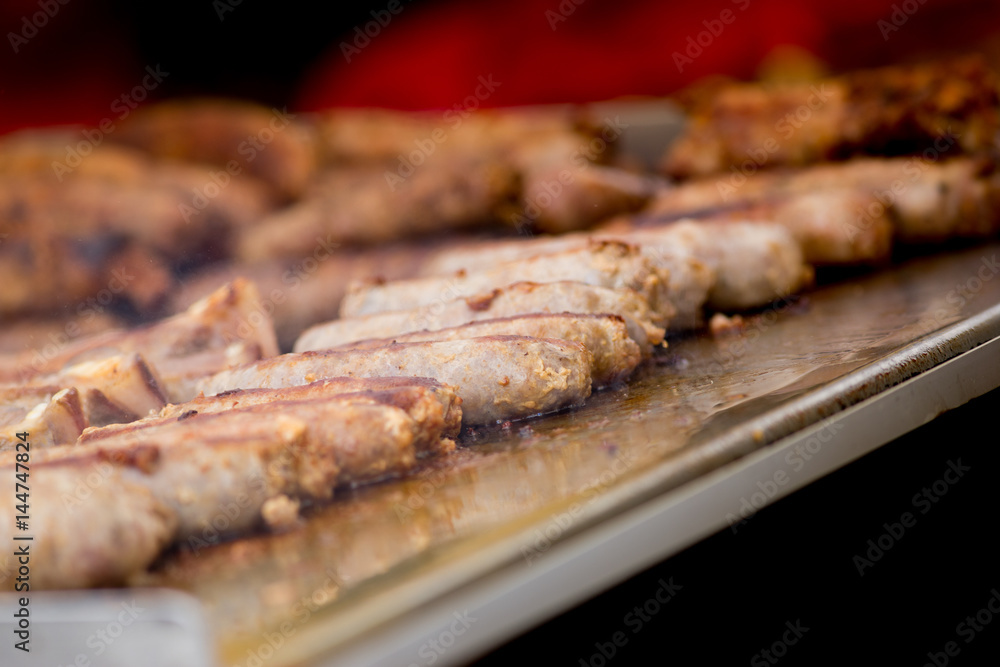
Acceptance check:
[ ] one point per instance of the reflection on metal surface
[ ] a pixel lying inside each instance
(512, 492)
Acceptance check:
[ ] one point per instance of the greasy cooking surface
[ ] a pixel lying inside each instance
(480, 507)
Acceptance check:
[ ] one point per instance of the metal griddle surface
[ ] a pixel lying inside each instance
(512, 494)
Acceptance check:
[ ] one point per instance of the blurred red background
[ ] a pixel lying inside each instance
(68, 63)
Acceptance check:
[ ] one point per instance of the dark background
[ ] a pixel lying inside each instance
(794, 561)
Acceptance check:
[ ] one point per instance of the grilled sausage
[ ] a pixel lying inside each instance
(738, 266)
(497, 377)
(110, 506)
(850, 212)
(357, 205)
(93, 525)
(899, 109)
(112, 389)
(426, 401)
(53, 416)
(615, 355)
(611, 264)
(517, 299)
(229, 327)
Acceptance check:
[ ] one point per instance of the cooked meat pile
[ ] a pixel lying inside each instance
(175, 188)
(890, 111)
(153, 279)
(913, 153)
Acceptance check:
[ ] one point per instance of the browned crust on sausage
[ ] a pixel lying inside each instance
(606, 263)
(517, 299)
(433, 405)
(545, 375)
(892, 110)
(615, 354)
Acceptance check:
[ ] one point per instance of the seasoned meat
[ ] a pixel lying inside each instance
(517, 299)
(123, 375)
(833, 227)
(33, 151)
(306, 291)
(112, 389)
(44, 337)
(109, 231)
(302, 448)
(52, 416)
(150, 486)
(753, 264)
(229, 327)
(320, 444)
(383, 136)
(565, 187)
(737, 266)
(610, 264)
(558, 156)
(93, 524)
(497, 377)
(615, 354)
(358, 205)
(565, 198)
(239, 137)
(951, 199)
(848, 213)
(893, 110)
(163, 208)
(434, 405)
